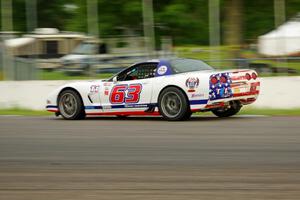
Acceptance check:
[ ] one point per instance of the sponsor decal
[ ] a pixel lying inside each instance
(238, 78)
(197, 95)
(106, 91)
(254, 86)
(106, 107)
(136, 105)
(107, 84)
(192, 83)
(162, 70)
(94, 88)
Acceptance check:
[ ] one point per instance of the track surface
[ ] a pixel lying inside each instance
(147, 158)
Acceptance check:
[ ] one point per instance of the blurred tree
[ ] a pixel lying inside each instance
(258, 18)
(115, 17)
(77, 21)
(292, 8)
(53, 13)
(185, 21)
(233, 24)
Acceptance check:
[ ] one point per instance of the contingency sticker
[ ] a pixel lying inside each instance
(162, 70)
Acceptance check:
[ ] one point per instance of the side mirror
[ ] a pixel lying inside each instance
(115, 79)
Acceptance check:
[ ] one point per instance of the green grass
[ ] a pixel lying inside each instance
(244, 111)
(270, 112)
(25, 112)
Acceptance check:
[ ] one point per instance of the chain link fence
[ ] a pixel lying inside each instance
(34, 69)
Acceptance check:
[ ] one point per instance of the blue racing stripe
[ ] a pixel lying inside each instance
(123, 106)
(92, 107)
(196, 102)
(51, 106)
(193, 102)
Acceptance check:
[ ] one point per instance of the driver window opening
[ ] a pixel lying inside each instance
(141, 71)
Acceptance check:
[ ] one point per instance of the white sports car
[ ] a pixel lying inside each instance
(173, 88)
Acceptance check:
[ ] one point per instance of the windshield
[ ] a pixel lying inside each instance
(188, 65)
(85, 48)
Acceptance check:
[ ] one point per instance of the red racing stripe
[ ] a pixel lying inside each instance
(52, 110)
(246, 94)
(142, 113)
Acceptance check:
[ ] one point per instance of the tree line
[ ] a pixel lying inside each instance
(242, 21)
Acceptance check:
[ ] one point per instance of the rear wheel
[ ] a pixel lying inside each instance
(70, 105)
(173, 104)
(233, 108)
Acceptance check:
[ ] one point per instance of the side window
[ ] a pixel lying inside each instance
(140, 71)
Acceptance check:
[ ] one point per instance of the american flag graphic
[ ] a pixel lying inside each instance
(221, 89)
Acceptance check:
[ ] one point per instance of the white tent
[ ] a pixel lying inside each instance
(18, 42)
(283, 41)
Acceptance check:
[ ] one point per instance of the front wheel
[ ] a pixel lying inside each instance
(70, 105)
(233, 108)
(173, 104)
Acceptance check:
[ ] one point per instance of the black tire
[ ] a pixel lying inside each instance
(188, 115)
(70, 105)
(233, 109)
(173, 104)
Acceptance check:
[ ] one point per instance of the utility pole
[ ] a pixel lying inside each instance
(93, 26)
(31, 15)
(31, 23)
(279, 12)
(148, 23)
(214, 27)
(92, 18)
(279, 18)
(7, 26)
(6, 15)
(214, 22)
(233, 29)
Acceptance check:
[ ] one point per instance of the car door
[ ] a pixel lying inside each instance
(130, 90)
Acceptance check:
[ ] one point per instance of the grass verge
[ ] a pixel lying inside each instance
(270, 112)
(25, 112)
(244, 111)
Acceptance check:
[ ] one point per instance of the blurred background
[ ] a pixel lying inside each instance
(84, 39)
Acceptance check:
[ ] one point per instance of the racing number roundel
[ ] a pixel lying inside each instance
(125, 93)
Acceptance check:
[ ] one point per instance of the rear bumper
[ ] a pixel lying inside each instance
(244, 97)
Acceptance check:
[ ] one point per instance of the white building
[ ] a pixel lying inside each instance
(283, 41)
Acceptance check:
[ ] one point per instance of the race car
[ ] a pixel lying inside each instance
(172, 88)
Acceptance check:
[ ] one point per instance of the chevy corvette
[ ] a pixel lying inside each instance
(172, 88)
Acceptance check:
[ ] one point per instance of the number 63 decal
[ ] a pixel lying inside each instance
(125, 93)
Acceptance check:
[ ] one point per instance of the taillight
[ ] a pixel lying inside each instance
(254, 76)
(223, 79)
(214, 80)
(248, 77)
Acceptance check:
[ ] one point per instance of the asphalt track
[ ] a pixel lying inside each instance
(45, 158)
